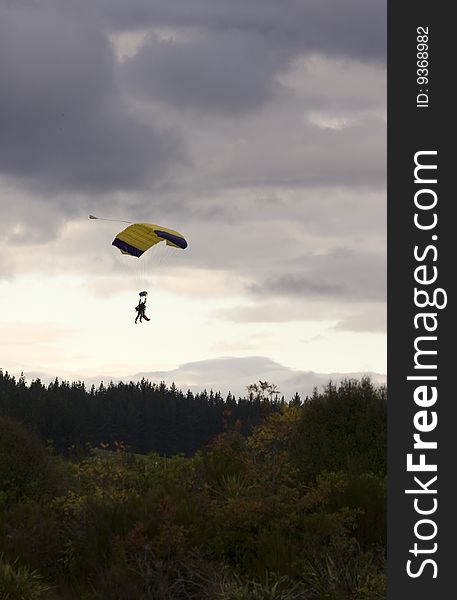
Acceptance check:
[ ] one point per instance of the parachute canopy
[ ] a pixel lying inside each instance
(139, 237)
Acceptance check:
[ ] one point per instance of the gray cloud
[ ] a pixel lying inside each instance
(355, 28)
(223, 72)
(293, 285)
(64, 122)
(355, 316)
(342, 275)
(68, 131)
(225, 57)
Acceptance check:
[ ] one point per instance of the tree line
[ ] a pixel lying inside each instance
(144, 416)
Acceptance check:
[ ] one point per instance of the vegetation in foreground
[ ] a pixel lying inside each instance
(294, 510)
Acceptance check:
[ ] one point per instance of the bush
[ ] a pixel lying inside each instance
(342, 429)
(20, 583)
(346, 573)
(25, 466)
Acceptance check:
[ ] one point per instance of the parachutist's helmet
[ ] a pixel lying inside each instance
(143, 294)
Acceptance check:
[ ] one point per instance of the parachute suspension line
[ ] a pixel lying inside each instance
(150, 267)
(112, 220)
(163, 254)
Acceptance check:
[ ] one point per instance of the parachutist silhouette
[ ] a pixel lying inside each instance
(141, 309)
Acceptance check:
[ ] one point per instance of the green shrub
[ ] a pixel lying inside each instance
(25, 467)
(345, 573)
(20, 583)
(342, 429)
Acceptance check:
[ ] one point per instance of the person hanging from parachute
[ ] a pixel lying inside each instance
(141, 308)
(136, 239)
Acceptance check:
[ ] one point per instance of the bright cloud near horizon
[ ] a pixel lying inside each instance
(257, 129)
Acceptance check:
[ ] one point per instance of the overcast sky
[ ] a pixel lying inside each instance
(257, 128)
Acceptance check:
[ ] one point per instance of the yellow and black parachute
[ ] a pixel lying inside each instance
(139, 237)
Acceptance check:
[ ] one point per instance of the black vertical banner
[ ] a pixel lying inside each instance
(422, 369)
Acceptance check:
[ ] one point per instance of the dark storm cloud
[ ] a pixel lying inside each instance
(230, 63)
(64, 122)
(227, 72)
(340, 275)
(355, 28)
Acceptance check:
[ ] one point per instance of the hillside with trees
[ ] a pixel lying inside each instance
(138, 492)
(145, 416)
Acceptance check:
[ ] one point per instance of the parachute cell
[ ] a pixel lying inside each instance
(139, 237)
